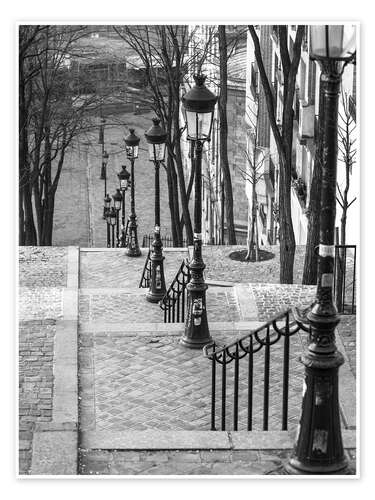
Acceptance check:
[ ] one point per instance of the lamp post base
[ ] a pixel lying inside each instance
(134, 252)
(154, 297)
(157, 284)
(295, 467)
(133, 247)
(196, 334)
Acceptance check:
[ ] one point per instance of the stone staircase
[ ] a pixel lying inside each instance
(144, 400)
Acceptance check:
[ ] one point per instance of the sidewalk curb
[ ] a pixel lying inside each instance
(55, 443)
(160, 329)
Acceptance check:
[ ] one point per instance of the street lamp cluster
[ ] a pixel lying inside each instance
(111, 213)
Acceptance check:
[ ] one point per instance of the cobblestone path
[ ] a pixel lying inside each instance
(144, 382)
(79, 197)
(135, 379)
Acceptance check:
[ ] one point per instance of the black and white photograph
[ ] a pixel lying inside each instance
(188, 212)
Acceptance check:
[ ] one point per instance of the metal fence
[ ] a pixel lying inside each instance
(166, 240)
(250, 347)
(174, 302)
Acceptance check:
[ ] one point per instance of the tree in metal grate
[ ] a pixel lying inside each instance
(174, 301)
(280, 328)
(146, 273)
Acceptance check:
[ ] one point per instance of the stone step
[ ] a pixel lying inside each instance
(162, 329)
(196, 440)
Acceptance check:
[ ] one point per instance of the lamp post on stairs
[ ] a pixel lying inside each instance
(319, 448)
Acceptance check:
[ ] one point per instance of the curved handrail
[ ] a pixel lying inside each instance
(176, 295)
(274, 336)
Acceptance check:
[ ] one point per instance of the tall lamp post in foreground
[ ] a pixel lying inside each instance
(198, 106)
(156, 137)
(319, 448)
(132, 143)
(123, 177)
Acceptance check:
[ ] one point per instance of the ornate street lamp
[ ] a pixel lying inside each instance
(156, 138)
(123, 177)
(107, 207)
(132, 143)
(112, 216)
(117, 202)
(319, 448)
(105, 157)
(198, 107)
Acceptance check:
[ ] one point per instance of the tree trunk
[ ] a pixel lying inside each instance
(48, 210)
(21, 220)
(173, 203)
(287, 241)
(181, 181)
(310, 268)
(29, 232)
(224, 162)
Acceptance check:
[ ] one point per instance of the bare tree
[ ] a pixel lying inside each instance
(167, 62)
(283, 137)
(54, 116)
(255, 158)
(224, 161)
(347, 153)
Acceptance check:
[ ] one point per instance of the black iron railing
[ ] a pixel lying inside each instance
(166, 240)
(146, 274)
(261, 340)
(345, 278)
(174, 302)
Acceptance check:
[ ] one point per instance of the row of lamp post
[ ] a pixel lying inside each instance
(111, 213)
(319, 447)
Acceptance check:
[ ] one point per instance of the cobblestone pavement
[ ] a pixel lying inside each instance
(192, 462)
(113, 269)
(221, 267)
(42, 276)
(139, 383)
(271, 298)
(42, 266)
(36, 341)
